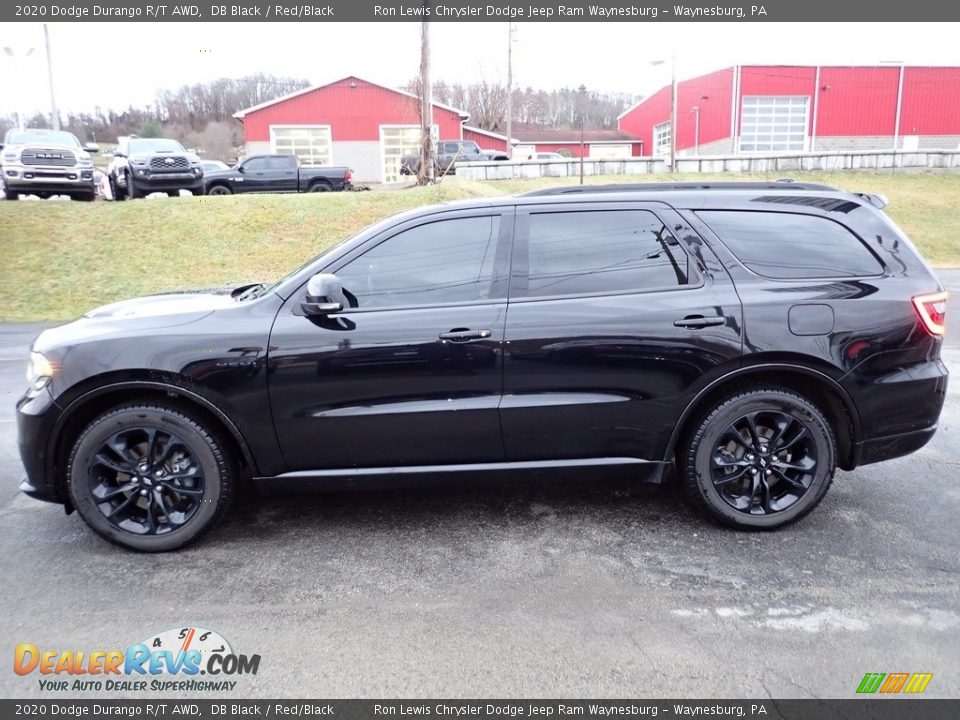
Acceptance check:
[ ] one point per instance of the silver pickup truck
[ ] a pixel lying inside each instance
(46, 163)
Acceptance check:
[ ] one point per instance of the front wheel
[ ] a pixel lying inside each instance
(219, 190)
(760, 459)
(10, 195)
(150, 477)
(132, 191)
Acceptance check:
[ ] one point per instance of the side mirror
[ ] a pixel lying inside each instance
(91, 147)
(119, 153)
(324, 295)
(240, 169)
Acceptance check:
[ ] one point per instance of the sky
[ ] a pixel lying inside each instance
(612, 57)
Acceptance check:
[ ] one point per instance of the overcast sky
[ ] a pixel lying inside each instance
(602, 56)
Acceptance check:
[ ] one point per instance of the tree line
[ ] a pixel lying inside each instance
(201, 115)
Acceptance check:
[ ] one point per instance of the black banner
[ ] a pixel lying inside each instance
(853, 709)
(477, 10)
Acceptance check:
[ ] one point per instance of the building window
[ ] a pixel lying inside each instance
(661, 139)
(774, 124)
(311, 143)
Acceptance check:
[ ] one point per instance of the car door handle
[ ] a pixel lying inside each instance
(698, 321)
(460, 335)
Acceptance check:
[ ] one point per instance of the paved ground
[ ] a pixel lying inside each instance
(580, 586)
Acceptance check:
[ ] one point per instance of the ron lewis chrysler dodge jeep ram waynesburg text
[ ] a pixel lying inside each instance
(757, 336)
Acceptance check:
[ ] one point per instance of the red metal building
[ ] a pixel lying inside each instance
(353, 122)
(777, 109)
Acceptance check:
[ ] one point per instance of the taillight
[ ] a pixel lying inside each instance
(348, 176)
(932, 310)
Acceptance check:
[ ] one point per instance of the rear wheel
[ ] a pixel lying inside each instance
(150, 478)
(760, 459)
(116, 191)
(320, 186)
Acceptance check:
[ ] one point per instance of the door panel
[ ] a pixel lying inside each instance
(411, 373)
(370, 389)
(607, 373)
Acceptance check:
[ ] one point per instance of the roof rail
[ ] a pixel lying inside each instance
(784, 184)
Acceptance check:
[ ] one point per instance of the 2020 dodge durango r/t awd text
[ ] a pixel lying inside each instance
(757, 336)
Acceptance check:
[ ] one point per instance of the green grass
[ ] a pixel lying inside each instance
(59, 259)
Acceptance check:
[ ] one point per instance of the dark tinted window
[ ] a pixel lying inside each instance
(607, 251)
(288, 162)
(448, 261)
(255, 164)
(783, 245)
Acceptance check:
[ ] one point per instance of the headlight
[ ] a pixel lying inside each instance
(10, 157)
(138, 161)
(39, 371)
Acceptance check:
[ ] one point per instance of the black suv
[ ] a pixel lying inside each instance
(757, 336)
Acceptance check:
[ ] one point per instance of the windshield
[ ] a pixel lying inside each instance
(143, 145)
(42, 137)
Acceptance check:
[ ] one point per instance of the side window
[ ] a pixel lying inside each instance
(448, 261)
(282, 163)
(789, 246)
(255, 164)
(580, 253)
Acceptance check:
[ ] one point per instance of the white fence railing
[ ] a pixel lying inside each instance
(825, 161)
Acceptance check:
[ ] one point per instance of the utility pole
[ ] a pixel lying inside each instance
(53, 101)
(509, 89)
(673, 114)
(425, 176)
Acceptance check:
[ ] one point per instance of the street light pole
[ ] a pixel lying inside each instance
(509, 89)
(53, 102)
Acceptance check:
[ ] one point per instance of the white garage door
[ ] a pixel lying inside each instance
(609, 152)
(397, 141)
(311, 143)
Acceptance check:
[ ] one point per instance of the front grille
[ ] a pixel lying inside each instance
(48, 156)
(169, 162)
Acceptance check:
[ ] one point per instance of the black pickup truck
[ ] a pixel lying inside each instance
(449, 153)
(276, 174)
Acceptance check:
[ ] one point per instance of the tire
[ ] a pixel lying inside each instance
(132, 192)
(84, 197)
(320, 186)
(748, 483)
(11, 195)
(119, 193)
(219, 190)
(173, 193)
(108, 458)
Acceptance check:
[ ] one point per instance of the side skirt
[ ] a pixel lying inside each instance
(305, 481)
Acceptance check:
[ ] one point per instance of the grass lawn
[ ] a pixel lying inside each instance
(59, 259)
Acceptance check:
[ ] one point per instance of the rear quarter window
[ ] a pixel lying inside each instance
(790, 246)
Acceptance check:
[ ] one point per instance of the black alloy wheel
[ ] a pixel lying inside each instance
(150, 477)
(760, 459)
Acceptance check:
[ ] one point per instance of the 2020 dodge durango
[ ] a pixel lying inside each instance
(755, 336)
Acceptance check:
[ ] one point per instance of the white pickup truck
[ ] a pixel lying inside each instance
(46, 163)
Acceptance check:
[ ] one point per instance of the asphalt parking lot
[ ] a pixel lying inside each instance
(581, 585)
